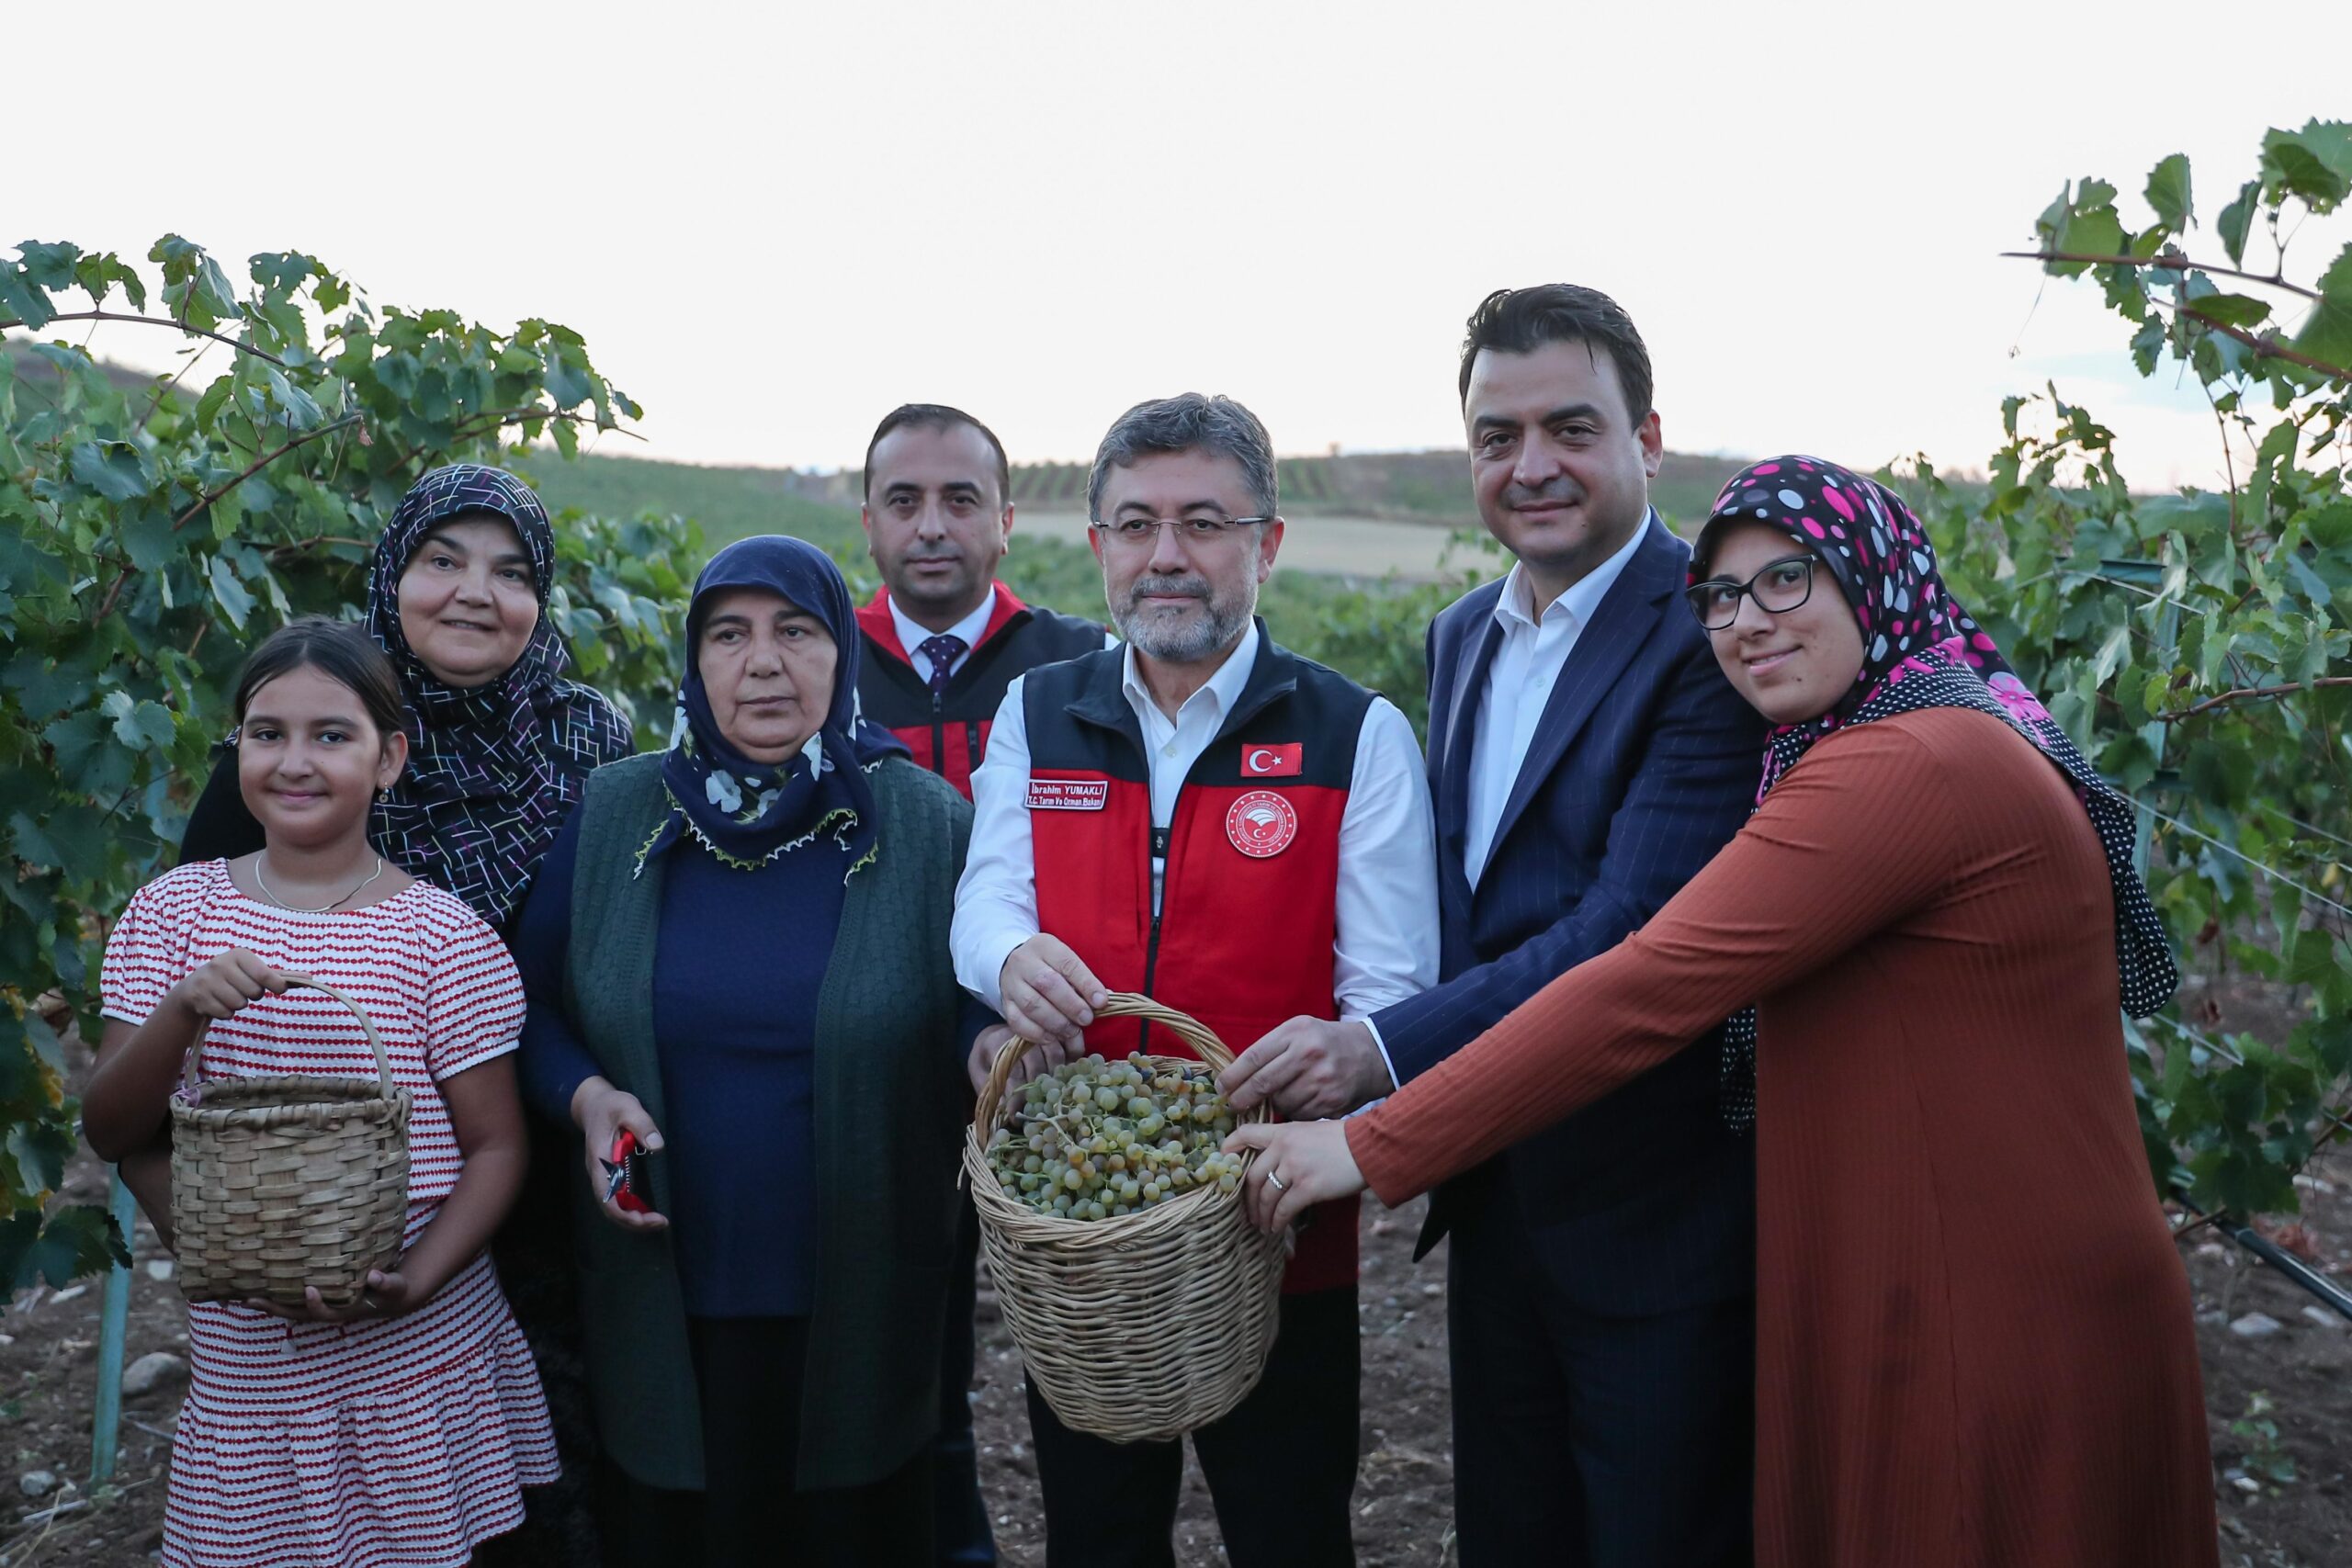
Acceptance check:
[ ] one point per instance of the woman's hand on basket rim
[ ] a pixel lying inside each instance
(601, 1111)
(1049, 1053)
(225, 983)
(1307, 1162)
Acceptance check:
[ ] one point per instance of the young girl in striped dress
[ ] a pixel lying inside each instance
(400, 1430)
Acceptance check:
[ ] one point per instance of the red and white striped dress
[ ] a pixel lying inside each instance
(366, 1445)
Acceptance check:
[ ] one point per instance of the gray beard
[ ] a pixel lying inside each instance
(1188, 641)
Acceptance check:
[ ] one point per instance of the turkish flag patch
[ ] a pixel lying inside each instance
(1274, 761)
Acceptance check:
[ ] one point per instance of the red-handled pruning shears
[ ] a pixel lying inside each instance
(623, 1176)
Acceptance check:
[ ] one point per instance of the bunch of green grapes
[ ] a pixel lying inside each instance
(1094, 1138)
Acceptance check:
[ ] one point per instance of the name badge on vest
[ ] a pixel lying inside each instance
(1068, 795)
(1261, 824)
(1274, 761)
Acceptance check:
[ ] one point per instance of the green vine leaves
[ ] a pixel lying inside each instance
(2197, 642)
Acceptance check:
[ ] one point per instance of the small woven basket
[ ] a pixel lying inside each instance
(1144, 1325)
(278, 1184)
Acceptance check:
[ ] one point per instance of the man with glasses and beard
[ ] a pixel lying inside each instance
(1204, 818)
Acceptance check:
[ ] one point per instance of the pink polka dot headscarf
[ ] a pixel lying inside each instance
(1885, 566)
(1920, 648)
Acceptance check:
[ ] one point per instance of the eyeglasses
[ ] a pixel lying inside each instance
(1780, 587)
(1143, 533)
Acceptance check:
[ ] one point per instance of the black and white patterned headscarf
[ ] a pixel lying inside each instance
(1921, 650)
(492, 770)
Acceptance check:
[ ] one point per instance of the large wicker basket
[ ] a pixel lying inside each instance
(278, 1184)
(1142, 1325)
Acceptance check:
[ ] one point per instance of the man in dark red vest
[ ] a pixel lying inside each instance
(1204, 818)
(944, 638)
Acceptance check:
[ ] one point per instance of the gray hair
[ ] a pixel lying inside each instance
(1188, 422)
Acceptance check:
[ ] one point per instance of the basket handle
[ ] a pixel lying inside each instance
(192, 1067)
(1119, 1004)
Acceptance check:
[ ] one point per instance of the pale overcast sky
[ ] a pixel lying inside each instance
(773, 223)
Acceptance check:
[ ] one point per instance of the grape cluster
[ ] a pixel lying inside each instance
(1093, 1138)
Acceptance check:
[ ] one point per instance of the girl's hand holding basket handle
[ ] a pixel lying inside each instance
(222, 986)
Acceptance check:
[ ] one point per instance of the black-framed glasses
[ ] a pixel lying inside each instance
(1782, 586)
(1142, 532)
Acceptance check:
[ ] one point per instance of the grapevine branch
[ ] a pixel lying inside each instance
(262, 462)
(473, 425)
(157, 321)
(2167, 258)
(2251, 693)
(157, 400)
(2266, 346)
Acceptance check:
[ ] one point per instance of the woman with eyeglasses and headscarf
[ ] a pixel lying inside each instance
(736, 955)
(1974, 1338)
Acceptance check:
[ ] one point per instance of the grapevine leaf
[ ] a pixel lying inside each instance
(2327, 331)
(2313, 164)
(50, 265)
(2235, 218)
(2230, 310)
(144, 726)
(112, 468)
(235, 602)
(76, 741)
(22, 298)
(2169, 191)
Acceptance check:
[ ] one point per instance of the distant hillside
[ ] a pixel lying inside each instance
(1406, 487)
(1431, 488)
(728, 503)
(29, 366)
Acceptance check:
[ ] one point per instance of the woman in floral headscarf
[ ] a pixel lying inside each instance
(1973, 1339)
(737, 954)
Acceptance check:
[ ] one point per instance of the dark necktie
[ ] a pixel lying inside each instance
(942, 651)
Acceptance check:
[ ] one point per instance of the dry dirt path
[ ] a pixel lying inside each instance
(47, 1363)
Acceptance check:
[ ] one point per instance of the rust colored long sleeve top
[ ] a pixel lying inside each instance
(1974, 1336)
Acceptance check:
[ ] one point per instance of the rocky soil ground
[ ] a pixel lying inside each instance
(2278, 1372)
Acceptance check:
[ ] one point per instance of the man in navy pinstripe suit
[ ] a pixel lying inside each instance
(1586, 756)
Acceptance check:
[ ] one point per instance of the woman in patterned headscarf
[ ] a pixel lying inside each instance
(499, 746)
(1974, 1340)
(737, 954)
(498, 739)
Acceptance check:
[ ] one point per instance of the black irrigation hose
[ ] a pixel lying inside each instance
(2278, 1258)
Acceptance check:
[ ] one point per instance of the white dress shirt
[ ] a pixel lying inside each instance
(1519, 685)
(1387, 943)
(912, 634)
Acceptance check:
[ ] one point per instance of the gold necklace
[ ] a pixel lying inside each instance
(303, 908)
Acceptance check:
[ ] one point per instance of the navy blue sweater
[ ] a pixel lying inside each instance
(739, 958)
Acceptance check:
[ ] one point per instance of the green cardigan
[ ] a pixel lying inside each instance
(891, 1106)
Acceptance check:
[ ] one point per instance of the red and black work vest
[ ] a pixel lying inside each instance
(1248, 924)
(949, 733)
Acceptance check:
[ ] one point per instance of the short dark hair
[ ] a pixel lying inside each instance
(338, 649)
(936, 416)
(1188, 422)
(1520, 320)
